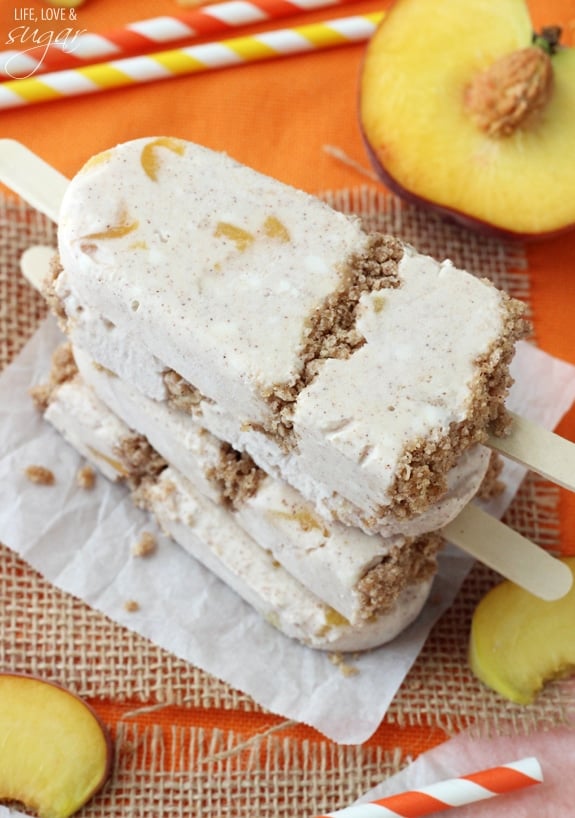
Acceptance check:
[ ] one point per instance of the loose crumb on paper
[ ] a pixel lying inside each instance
(40, 475)
(86, 478)
(145, 546)
(339, 661)
(131, 606)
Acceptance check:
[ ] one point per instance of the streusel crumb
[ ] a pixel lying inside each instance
(131, 606)
(86, 478)
(338, 660)
(145, 546)
(40, 475)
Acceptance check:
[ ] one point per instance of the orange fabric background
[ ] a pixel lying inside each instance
(277, 117)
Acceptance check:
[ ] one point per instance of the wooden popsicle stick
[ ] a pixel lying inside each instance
(35, 264)
(509, 553)
(542, 451)
(475, 532)
(41, 185)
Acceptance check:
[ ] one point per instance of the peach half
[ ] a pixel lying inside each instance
(464, 110)
(55, 753)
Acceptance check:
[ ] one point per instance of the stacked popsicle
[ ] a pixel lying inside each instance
(301, 404)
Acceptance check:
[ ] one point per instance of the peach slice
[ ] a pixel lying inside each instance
(462, 113)
(519, 642)
(55, 753)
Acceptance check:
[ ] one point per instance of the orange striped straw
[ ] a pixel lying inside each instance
(189, 60)
(455, 792)
(84, 48)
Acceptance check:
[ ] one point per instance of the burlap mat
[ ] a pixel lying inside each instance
(167, 760)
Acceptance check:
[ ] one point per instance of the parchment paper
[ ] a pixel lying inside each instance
(81, 541)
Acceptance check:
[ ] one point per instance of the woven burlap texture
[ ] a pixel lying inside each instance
(188, 769)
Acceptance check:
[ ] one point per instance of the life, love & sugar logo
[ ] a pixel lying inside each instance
(30, 38)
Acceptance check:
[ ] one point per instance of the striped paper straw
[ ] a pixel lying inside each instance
(190, 60)
(146, 35)
(455, 792)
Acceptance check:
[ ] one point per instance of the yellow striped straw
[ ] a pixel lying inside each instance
(190, 60)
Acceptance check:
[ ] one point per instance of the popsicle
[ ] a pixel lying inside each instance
(350, 365)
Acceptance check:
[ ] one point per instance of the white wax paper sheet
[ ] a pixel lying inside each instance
(81, 541)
